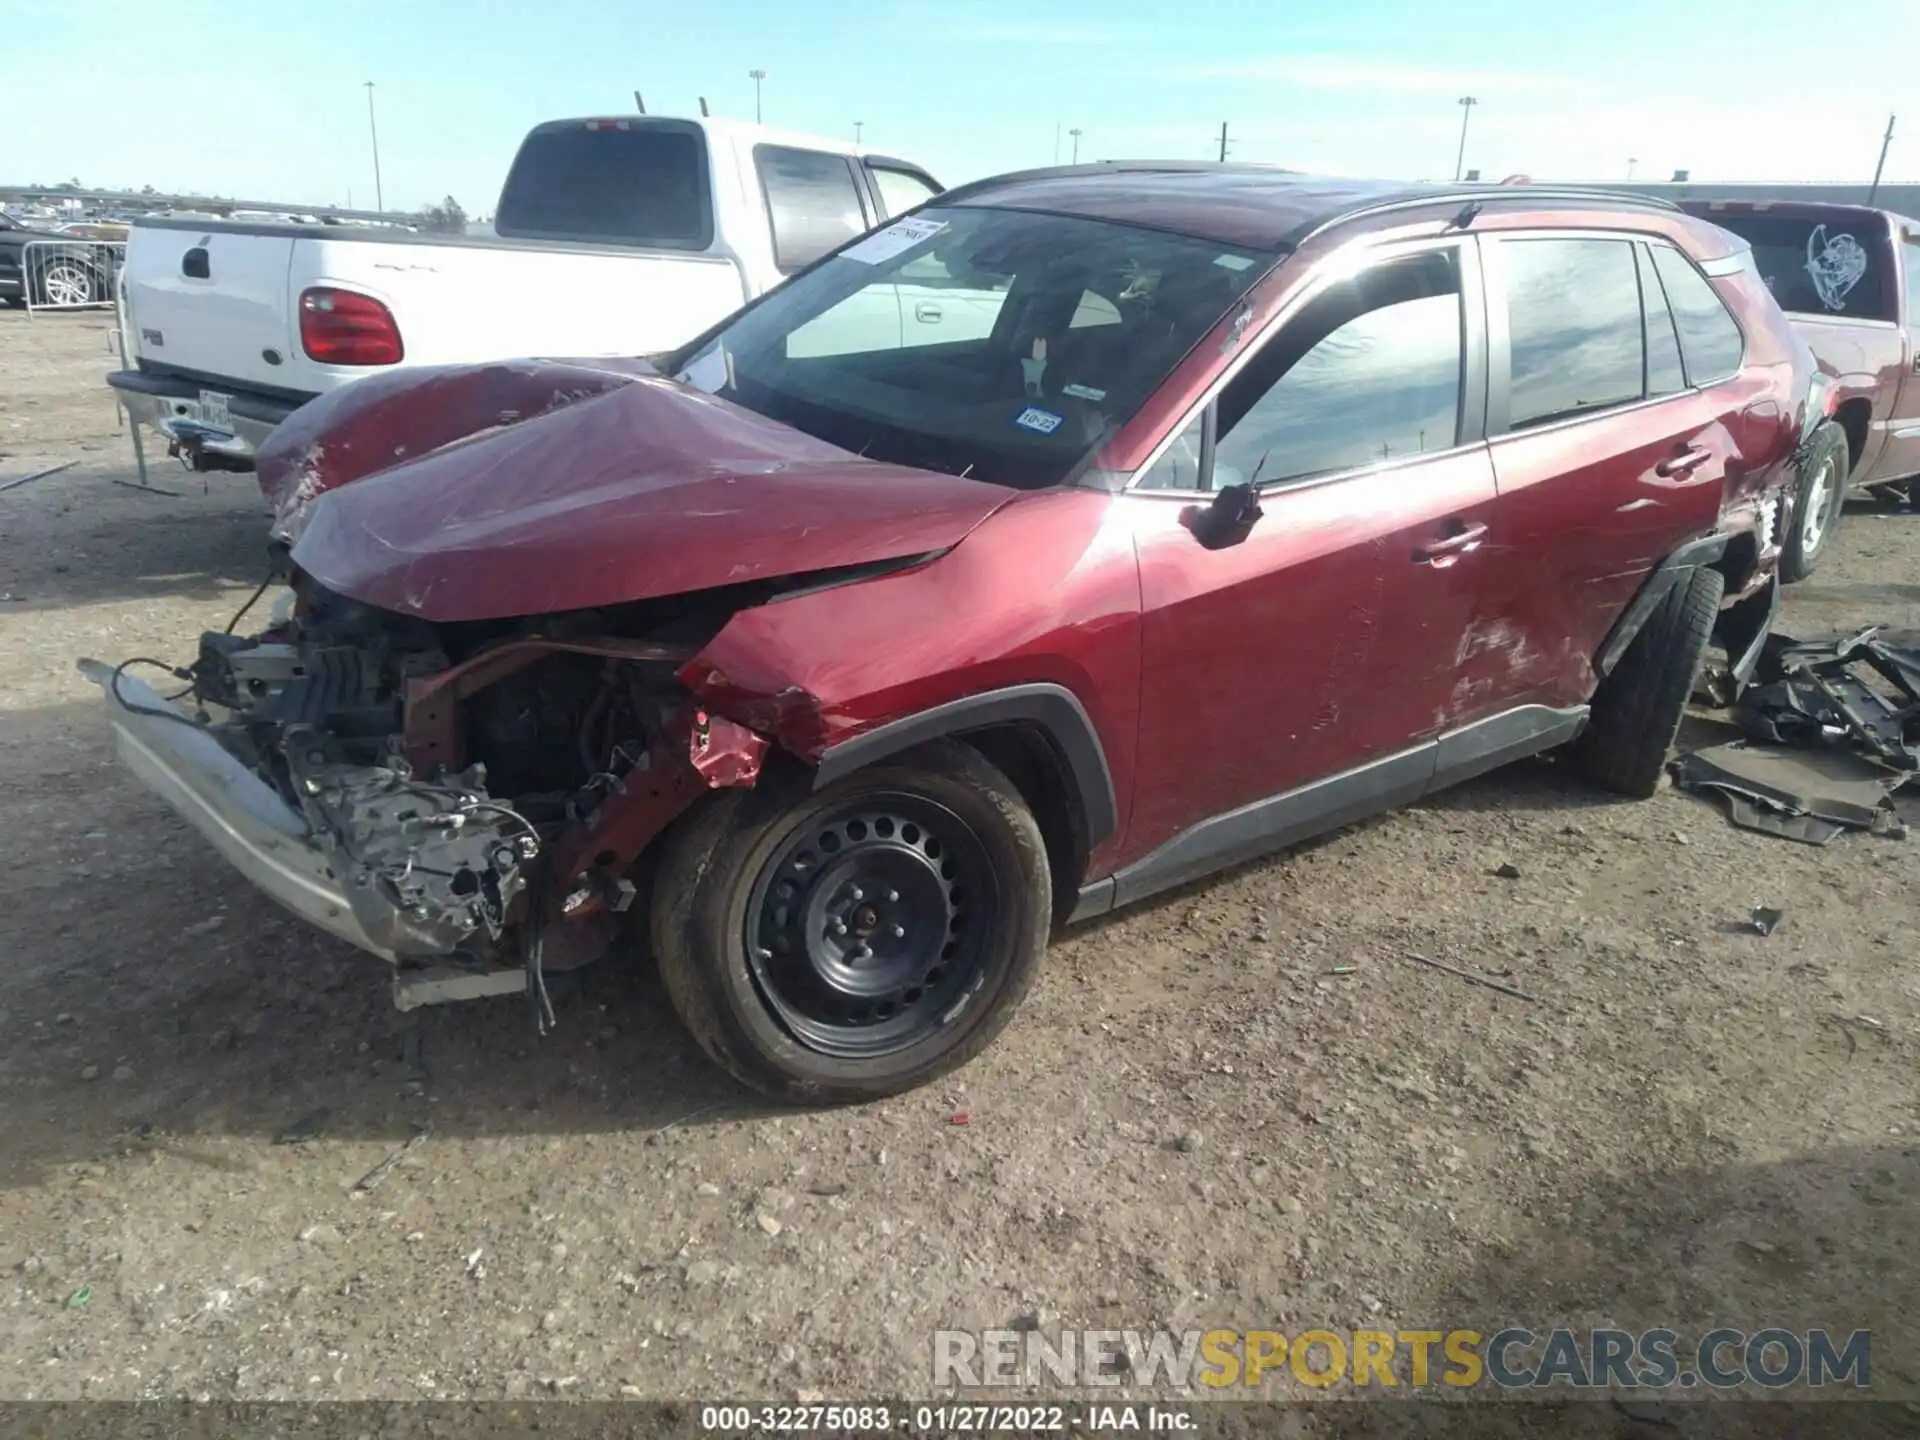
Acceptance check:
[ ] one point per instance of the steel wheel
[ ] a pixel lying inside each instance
(868, 924)
(66, 282)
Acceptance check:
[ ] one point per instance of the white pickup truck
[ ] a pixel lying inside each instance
(621, 236)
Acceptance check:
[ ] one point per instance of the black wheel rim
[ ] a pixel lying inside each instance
(871, 923)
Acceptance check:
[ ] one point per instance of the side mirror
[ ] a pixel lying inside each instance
(1226, 520)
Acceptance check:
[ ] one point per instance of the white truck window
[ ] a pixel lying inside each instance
(812, 201)
(900, 190)
(632, 182)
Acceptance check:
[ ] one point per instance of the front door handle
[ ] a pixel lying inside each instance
(1685, 463)
(1450, 547)
(927, 313)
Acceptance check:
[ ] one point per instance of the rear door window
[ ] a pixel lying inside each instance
(1665, 375)
(1710, 340)
(813, 201)
(627, 182)
(1573, 312)
(900, 190)
(1910, 253)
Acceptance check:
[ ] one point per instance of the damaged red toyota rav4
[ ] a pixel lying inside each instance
(1083, 533)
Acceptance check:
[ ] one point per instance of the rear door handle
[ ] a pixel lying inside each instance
(927, 313)
(1449, 548)
(1685, 463)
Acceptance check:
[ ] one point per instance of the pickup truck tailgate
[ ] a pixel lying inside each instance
(212, 303)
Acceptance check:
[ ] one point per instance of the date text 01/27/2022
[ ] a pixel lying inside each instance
(957, 1419)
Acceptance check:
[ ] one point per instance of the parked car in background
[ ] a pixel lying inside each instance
(70, 273)
(843, 671)
(1848, 277)
(613, 236)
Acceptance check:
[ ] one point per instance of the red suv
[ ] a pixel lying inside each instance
(1080, 534)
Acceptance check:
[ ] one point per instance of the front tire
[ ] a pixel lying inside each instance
(856, 942)
(1638, 707)
(1817, 503)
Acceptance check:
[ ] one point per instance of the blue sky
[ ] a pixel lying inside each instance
(266, 101)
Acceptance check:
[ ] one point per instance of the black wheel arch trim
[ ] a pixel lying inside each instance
(1691, 556)
(1054, 709)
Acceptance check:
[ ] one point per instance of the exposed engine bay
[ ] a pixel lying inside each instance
(472, 783)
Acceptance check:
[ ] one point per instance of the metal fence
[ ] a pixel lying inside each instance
(71, 274)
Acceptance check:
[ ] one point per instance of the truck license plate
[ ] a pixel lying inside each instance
(214, 411)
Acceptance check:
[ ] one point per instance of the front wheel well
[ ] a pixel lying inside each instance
(1028, 756)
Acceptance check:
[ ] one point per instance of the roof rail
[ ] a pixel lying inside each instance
(1481, 195)
(1111, 167)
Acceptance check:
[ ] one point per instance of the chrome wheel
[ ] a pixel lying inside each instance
(1820, 500)
(869, 926)
(67, 283)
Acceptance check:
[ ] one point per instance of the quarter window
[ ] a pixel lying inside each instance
(1910, 255)
(812, 201)
(1573, 312)
(1369, 370)
(1709, 339)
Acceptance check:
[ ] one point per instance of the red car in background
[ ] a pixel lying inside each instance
(842, 660)
(1848, 277)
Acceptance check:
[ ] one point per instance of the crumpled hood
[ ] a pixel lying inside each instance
(619, 485)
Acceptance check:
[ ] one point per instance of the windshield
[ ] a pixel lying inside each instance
(1825, 267)
(997, 344)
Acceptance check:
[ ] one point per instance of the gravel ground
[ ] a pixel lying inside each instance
(1239, 1106)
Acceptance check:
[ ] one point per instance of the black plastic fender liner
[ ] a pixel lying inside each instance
(1054, 709)
(1664, 576)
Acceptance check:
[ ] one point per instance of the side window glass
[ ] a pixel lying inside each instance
(1369, 370)
(900, 190)
(1178, 467)
(812, 202)
(1664, 375)
(1710, 341)
(1573, 311)
(1910, 255)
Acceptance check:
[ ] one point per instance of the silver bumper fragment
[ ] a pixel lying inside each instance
(262, 837)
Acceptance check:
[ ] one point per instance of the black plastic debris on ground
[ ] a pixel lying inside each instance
(1827, 745)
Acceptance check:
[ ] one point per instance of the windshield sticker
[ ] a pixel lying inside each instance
(1232, 262)
(1033, 369)
(898, 237)
(1083, 392)
(1836, 265)
(1041, 422)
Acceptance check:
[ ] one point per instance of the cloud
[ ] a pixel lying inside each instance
(1312, 72)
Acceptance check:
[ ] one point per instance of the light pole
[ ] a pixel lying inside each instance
(1075, 133)
(756, 76)
(858, 126)
(379, 196)
(1631, 162)
(1467, 102)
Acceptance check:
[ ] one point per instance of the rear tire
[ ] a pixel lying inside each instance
(775, 913)
(1638, 707)
(1818, 500)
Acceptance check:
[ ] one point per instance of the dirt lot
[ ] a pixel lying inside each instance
(1239, 1106)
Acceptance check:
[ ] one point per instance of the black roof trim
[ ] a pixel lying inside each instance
(1111, 167)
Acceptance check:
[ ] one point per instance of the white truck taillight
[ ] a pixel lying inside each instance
(340, 327)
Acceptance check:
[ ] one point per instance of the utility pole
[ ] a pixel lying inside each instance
(1223, 142)
(1075, 133)
(1467, 102)
(379, 195)
(1874, 189)
(756, 76)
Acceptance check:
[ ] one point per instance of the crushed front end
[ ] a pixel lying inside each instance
(463, 800)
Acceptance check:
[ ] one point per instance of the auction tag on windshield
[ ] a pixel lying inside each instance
(1045, 422)
(887, 243)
